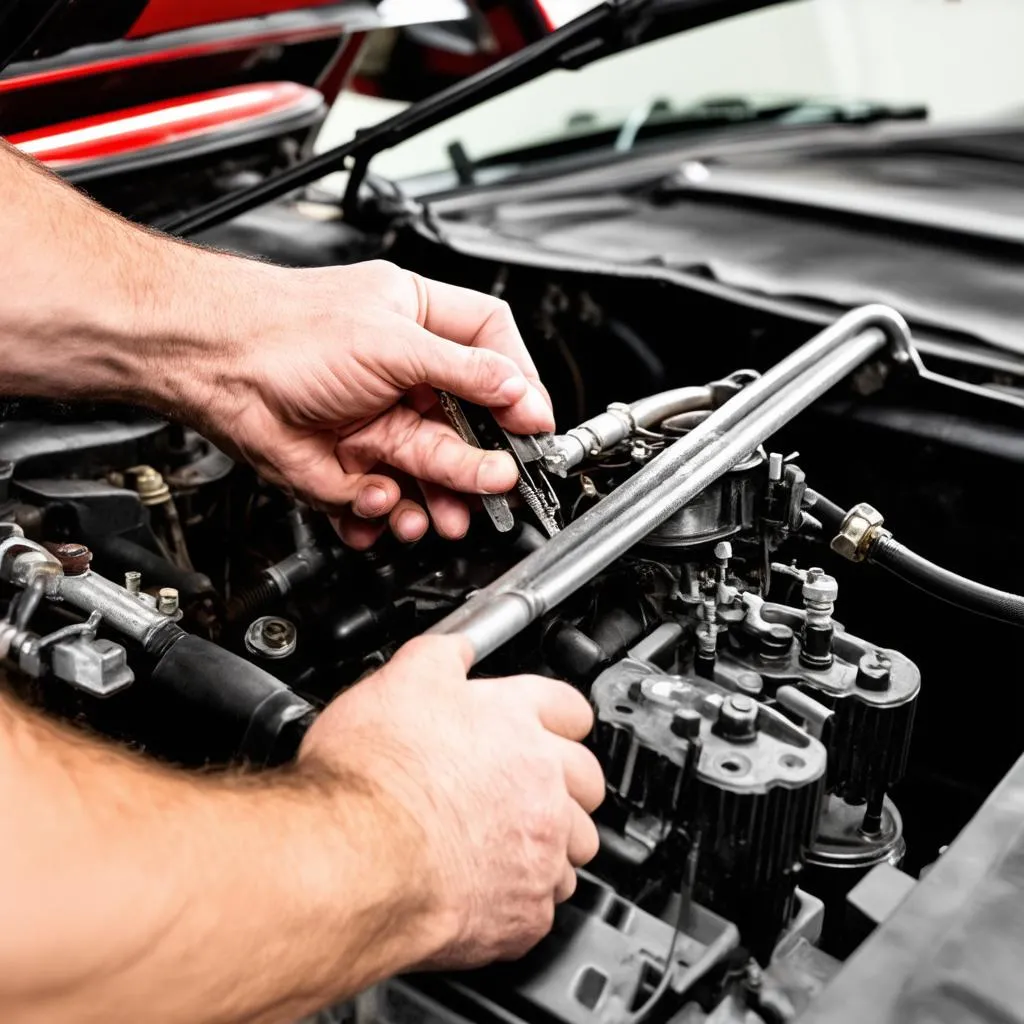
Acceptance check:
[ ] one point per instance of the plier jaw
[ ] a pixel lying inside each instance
(528, 451)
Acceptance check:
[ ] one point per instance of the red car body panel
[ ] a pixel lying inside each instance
(170, 15)
(156, 126)
(178, 79)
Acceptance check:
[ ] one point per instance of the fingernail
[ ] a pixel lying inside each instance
(513, 389)
(497, 474)
(538, 410)
(372, 500)
(411, 525)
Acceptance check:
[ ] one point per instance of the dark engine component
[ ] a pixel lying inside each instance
(721, 778)
(725, 508)
(599, 964)
(870, 694)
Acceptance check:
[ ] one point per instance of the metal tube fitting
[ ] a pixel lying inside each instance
(613, 426)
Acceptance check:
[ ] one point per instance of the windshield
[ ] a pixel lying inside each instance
(799, 62)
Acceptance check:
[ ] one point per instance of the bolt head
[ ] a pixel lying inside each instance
(74, 558)
(167, 600)
(737, 719)
(277, 633)
(723, 551)
(686, 723)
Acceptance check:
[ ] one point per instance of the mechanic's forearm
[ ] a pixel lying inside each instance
(92, 306)
(132, 892)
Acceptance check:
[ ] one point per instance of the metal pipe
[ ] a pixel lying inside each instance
(498, 612)
(121, 611)
(649, 412)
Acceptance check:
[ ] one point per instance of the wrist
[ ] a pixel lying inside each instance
(368, 822)
(189, 321)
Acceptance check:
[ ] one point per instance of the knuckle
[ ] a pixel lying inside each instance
(544, 819)
(501, 311)
(388, 272)
(446, 454)
(485, 367)
(572, 701)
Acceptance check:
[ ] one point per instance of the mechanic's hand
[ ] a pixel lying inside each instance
(332, 394)
(492, 775)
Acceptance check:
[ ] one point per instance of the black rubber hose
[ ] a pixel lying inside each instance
(946, 585)
(115, 554)
(264, 719)
(828, 513)
(921, 573)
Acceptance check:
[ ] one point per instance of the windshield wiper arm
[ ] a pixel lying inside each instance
(615, 25)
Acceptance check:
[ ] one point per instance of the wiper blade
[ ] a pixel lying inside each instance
(615, 25)
(658, 119)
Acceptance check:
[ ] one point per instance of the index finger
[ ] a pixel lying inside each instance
(562, 709)
(472, 318)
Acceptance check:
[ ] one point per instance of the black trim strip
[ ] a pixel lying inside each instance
(356, 16)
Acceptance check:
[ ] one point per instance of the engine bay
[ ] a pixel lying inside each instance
(672, 558)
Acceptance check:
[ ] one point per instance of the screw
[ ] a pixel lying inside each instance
(277, 633)
(167, 601)
(133, 582)
(723, 551)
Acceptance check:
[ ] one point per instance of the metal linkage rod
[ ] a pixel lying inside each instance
(575, 556)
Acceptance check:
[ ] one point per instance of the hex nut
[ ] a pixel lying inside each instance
(858, 532)
(150, 485)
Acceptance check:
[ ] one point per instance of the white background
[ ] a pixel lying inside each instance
(963, 58)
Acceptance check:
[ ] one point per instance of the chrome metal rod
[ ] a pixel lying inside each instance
(498, 612)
